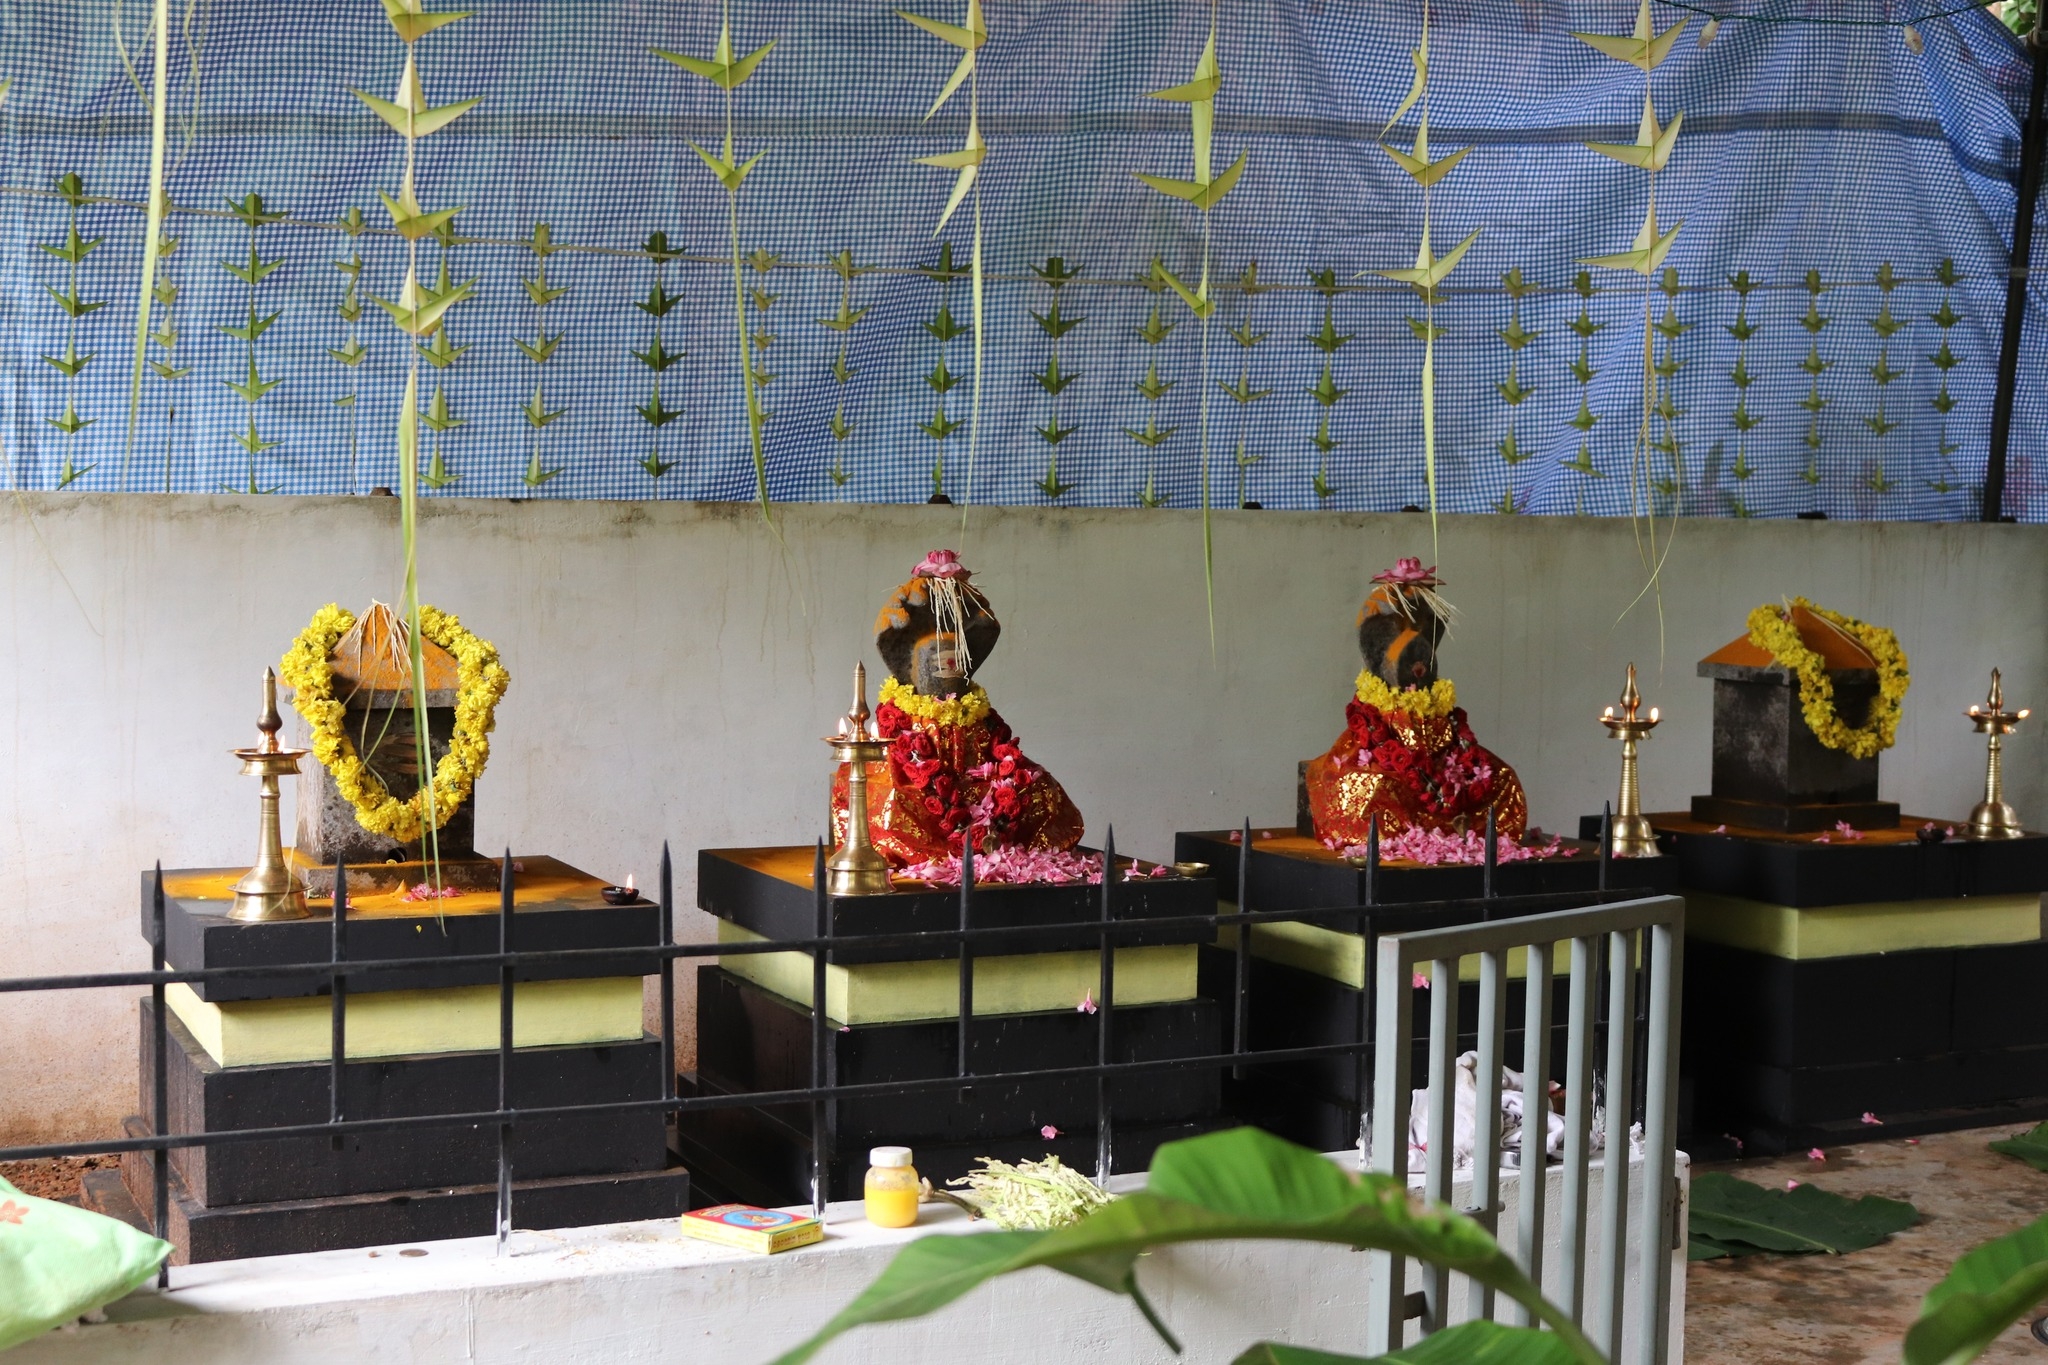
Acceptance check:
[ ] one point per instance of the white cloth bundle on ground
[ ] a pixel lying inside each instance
(1515, 1120)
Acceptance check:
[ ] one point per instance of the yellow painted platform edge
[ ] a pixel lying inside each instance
(575, 1012)
(1827, 931)
(1019, 983)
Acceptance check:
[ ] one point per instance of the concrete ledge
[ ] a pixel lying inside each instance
(637, 1292)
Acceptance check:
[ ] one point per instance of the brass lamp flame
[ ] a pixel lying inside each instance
(1992, 818)
(1632, 836)
(269, 890)
(857, 868)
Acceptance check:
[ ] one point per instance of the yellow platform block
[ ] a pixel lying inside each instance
(902, 992)
(1340, 955)
(1854, 930)
(405, 1023)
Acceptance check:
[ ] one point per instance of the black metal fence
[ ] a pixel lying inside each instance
(1368, 919)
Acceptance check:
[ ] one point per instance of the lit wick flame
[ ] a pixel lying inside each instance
(629, 881)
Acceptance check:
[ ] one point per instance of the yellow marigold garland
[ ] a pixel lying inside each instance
(955, 711)
(480, 681)
(1771, 628)
(1439, 699)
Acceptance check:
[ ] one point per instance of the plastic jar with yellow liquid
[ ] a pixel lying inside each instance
(892, 1188)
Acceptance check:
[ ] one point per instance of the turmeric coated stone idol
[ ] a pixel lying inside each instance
(1407, 754)
(955, 774)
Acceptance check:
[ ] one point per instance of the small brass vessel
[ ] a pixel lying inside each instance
(857, 868)
(269, 890)
(1992, 818)
(1632, 837)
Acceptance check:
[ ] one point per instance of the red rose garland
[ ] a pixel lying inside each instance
(929, 762)
(1453, 781)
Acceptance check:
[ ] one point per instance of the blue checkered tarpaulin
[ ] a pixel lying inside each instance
(1844, 170)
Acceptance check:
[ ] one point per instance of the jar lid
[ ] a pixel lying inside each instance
(889, 1156)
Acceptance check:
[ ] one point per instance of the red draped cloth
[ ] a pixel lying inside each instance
(1410, 771)
(944, 784)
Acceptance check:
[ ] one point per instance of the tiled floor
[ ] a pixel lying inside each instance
(1847, 1310)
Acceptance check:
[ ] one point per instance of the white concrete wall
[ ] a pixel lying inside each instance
(672, 666)
(638, 1292)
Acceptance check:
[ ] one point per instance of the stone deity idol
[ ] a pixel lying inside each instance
(955, 773)
(1407, 754)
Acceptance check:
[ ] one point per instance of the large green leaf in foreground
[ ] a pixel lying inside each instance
(1733, 1217)
(2030, 1147)
(1235, 1185)
(1470, 1343)
(1986, 1292)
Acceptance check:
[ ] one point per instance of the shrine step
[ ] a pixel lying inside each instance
(284, 1227)
(1291, 1008)
(208, 1098)
(752, 1157)
(752, 1039)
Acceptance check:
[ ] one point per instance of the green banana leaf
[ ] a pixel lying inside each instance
(1469, 1343)
(2030, 1147)
(1229, 1186)
(1727, 1212)
(1985, 1292)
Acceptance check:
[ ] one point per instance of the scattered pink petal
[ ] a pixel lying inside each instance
(1948, 831)
(1012, 867)
(1823, 839)
(1928, 825)
(1048, 1132)
(1873, 1119)
(1433, 849)
(424, 892)
(1847, 830)
(1720, 829)
(1736, 1140)
(1237, 836)
(1816, 1154)
(1912, 1142)
(1087, 1005)
(1420, 982)
(1791, 1185)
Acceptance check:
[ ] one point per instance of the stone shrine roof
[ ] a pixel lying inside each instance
(1841, 651)
(372, 657)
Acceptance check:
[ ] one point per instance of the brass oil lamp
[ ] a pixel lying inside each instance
(857, 868)
(1632, 837)
(269, 890)
(1993, 818)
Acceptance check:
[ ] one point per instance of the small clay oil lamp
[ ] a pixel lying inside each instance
(622, 895)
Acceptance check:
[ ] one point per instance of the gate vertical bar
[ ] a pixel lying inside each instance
(1532, 1177)
(1621, 1039)
(1367, 984)
(819, 1036)
(1393, 1037)
(1660, 1136)
(160, 1090)
(667, 887)
(1105, 1006)
(337, 953)
(1436, 1179)
(966, 1001)
(505, 975)
(1242, 1006)
(1578, 1124)
(1493, 988)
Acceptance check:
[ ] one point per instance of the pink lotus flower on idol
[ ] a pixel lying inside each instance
(1406, 570)
(940, 564)
(1048, 1132)
(1816, 1154)
(1872, 1119)
(1847, 830)
(1087, 1005)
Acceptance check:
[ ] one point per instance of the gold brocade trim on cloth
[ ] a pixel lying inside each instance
(904, 826)
(1343, 797)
